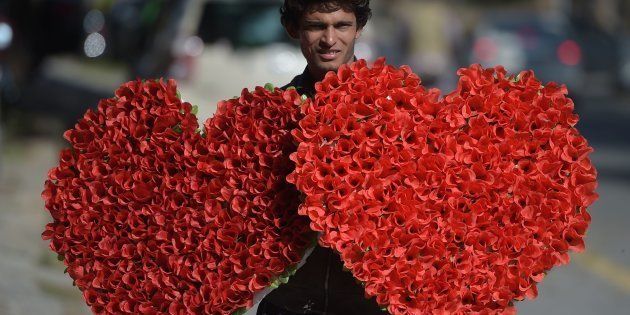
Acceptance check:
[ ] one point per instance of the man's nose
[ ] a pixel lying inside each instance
(330, 36)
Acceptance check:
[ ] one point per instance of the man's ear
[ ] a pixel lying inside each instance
(358, 34)
(292, 31)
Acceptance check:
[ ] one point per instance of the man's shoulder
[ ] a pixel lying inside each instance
(297, 83)
(303, 83)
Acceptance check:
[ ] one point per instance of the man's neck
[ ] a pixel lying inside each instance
(315, 75)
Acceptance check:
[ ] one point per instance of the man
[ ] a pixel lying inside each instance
(327, 31)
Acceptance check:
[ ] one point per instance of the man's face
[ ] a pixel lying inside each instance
(327, 39)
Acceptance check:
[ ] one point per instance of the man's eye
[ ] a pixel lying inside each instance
(314, 27)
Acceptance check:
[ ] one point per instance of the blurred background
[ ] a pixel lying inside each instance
(59, 57)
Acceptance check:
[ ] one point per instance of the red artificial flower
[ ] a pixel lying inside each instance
(151, 216)
(453, 204)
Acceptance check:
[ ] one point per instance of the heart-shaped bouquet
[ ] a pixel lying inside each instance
(437, 204)
(451, 204)
(152, 216)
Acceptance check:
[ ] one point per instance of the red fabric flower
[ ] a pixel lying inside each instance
(444, 205)
(152, 216)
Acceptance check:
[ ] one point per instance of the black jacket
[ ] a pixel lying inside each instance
(320, 286)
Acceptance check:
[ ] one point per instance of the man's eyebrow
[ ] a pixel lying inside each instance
(314, 22)
(317, 23)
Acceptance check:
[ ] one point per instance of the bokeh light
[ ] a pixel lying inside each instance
(6, 35)
(94, 45)
(94, 21)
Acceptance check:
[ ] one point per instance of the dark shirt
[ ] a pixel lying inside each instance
(303, 83)
(320, 286)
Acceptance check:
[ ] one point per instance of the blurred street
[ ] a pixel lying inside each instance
(215, 48)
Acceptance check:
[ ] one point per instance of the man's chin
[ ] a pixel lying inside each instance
(328, 66)
(324, 66)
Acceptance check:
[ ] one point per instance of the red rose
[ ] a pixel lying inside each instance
(153, 217)
(458, 204)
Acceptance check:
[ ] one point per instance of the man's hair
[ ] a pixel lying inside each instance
(293, 10)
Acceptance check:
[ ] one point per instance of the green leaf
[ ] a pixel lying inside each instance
(195, 110)
(291, 270)
(179, 95)
(304, 97)
(290, 88)
(240, 311)
(269, 87)
(178, 128)
(284, 278)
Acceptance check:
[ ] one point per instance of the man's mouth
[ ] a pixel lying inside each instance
(328, 55)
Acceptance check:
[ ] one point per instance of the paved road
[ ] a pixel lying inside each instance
(31, 279)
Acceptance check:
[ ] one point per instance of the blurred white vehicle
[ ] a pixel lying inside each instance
(244, 46)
